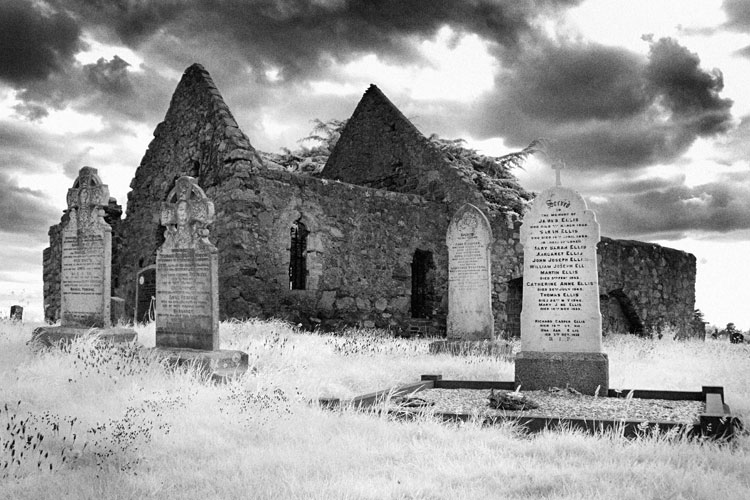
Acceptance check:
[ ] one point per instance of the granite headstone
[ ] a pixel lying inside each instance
(187, 272)
(86, 255)
(187, 286)
(85, 285)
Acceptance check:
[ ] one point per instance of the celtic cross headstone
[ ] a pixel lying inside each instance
(86, 254)
(187, 289)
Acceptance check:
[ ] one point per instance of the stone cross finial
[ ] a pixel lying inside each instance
(558, 165)
(85, 199)
(186, 214)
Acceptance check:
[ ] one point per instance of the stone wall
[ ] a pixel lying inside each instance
(645, 288)
(380, 148)
(360, 248)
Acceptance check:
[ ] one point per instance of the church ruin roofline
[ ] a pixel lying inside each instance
(378, 94)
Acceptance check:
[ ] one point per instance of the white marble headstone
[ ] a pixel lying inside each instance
(469, 241)
(560, 281)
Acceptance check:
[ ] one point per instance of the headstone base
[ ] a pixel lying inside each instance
(497, 348)
(221, 365)
(582, 371)
(48, 336)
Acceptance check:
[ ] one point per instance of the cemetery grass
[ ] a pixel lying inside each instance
(97, 422)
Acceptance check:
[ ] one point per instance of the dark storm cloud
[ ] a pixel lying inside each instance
(300, 37)
(691, 93)
(578, 82)
(25, 211)
(107, 88)
(738, 14)
(605, 107)
(673, 211)
(34, 43)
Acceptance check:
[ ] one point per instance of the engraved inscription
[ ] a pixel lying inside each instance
(469, 288)
(184, 290)
(82, 277)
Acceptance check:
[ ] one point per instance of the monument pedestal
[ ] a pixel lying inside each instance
(48, 336)
(497, 348)
(582, 371)
(220, 365)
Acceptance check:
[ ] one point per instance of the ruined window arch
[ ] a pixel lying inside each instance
(195, 170)
(422, 284)
(298, 256)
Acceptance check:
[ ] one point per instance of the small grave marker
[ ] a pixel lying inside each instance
(16, 313)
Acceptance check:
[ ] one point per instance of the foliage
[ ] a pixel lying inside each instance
(492, 174)
(309, 159)
(499, 167)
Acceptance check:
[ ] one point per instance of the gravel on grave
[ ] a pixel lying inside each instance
(565, 405)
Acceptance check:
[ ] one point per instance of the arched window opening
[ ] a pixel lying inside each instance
(298, 257)
(422, 284)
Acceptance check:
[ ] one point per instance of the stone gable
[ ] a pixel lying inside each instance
(199, 137)
(380, 148)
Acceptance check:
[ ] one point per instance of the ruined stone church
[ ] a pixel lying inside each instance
(362, 242)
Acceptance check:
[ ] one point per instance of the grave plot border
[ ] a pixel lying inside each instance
(716, 422)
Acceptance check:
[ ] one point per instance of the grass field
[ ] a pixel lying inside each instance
(107, 423)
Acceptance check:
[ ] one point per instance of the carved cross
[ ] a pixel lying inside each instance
(86, 197)
(186, 214)
(558, 165)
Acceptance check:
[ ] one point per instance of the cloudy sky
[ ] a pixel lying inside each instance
(645, 101)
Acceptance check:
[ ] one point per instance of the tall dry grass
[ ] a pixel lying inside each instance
(111, 423)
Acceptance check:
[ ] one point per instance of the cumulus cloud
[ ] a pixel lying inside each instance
(671, 212)
(111, 77)
(25, 211)
(606, 107)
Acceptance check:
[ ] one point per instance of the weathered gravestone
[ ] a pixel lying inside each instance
(86, 255)
(16, 313)
(561, 333)
(470, 323)
(187, 284)
(85, 286)
(145, 294)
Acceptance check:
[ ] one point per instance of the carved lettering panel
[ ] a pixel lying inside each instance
(187, 298)
(85, 279)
